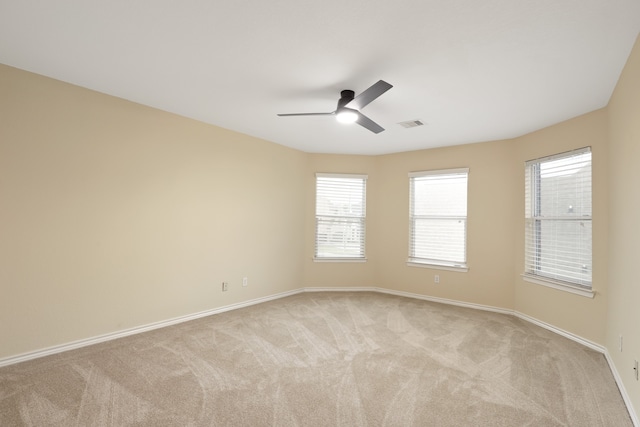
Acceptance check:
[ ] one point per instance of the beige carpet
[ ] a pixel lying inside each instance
(323, 359)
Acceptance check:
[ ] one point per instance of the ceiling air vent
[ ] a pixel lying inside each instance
(411, 124)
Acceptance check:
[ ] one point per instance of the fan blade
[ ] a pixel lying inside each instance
(307, 114)
(366, 122)
(360, 101)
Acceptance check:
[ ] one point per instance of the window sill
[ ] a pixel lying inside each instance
(460, 269)
(588, 293)
(339, 260)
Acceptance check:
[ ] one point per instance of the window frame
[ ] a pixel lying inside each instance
(319, 219)
(436, 263)
(534, 220)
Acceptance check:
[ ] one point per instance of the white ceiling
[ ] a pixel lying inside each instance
(471, 70)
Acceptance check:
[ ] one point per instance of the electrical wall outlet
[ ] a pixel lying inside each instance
(245, 281)
(436, 278)
(225, 286)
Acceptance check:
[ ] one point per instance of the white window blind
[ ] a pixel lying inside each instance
(438, 217)
(340, 216)
(558, 218)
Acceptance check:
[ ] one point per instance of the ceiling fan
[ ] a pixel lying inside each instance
(348, 110)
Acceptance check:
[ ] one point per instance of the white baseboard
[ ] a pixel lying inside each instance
(332, 289)
(623, 390)
(157, 325)
(446, 301)
(412, 295)
(137, 330)
(566, 334)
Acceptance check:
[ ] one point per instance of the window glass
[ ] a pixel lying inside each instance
(340, 216)
(558, 233)
(438, 217)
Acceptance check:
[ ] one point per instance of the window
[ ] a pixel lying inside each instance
(340, 217)
(558, 220)
(438, 218)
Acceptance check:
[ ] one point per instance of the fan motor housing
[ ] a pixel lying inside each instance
(346, 96)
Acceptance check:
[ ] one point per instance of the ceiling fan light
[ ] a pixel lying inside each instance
(347, 115)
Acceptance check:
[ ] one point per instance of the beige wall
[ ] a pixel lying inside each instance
(624, 229)
(580, 315)
(490, 227)
(495, 235)
(492, 191)
(114, 215)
